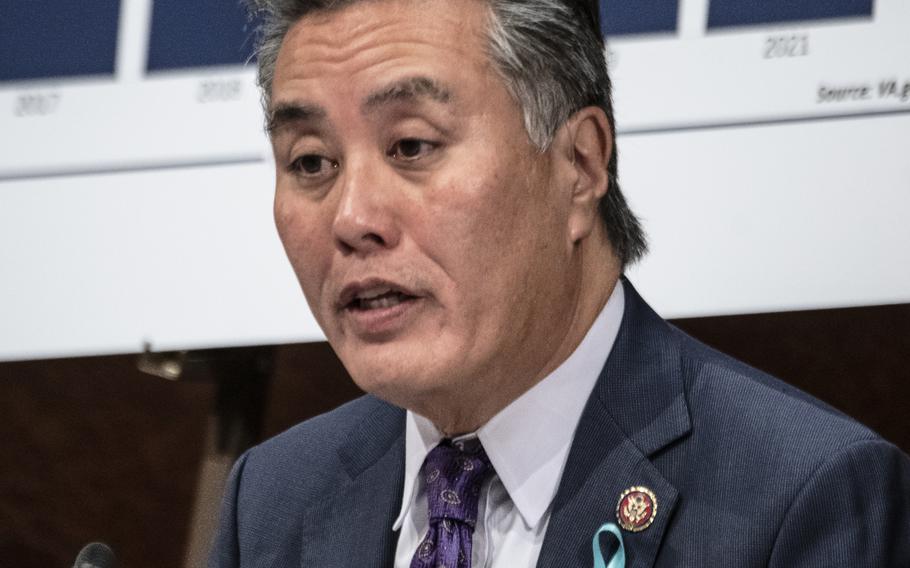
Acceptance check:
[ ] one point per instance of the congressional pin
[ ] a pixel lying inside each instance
(636, 509)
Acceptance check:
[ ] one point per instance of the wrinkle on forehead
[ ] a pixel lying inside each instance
(357, 36)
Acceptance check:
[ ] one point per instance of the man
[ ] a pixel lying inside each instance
(446, 193)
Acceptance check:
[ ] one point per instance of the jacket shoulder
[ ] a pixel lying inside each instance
(277, 490)
(310, 454)
(751, 402)
(767, 460)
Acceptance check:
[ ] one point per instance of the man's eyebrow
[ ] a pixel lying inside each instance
(283, 114)
(411, 88)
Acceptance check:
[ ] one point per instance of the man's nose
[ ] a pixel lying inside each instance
(365, 221)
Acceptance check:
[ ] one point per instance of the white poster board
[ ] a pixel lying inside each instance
(769, 162)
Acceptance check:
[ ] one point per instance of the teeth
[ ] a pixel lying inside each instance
(383, 302)
(373, 293)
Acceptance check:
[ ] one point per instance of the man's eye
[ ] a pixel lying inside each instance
(312, 164)
(410, 149)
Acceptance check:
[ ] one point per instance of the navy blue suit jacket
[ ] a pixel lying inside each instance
(747, 471)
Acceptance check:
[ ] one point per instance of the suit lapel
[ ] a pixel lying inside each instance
(355, 526)
(637, 408)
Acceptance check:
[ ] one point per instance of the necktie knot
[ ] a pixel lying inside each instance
(454, 474)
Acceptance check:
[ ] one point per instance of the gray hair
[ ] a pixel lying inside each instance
(550, 55)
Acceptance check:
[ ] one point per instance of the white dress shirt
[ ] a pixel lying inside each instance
(527, 442)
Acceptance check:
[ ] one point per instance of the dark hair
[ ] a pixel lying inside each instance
(550, 54)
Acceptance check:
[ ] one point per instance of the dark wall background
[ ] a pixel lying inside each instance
(92, 449)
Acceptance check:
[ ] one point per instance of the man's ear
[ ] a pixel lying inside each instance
(585, 147)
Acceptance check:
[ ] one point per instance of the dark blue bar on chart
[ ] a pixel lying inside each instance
(628, 17)
(188, 34)
(728, 13)
(49, 39)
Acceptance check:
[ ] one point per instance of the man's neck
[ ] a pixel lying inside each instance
(600, 272)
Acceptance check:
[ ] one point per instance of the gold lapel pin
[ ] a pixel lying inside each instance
(636, 509)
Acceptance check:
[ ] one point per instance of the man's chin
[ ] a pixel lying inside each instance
(401, 387)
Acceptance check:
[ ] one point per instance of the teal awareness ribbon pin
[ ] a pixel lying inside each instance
(618, 560)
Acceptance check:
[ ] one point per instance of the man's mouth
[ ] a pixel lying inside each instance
(378, 298)
(374, 295)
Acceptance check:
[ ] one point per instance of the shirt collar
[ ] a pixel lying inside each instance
(528, 441)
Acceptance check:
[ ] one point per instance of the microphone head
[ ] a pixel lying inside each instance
(96, 555)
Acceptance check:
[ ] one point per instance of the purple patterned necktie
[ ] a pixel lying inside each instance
(453, 477)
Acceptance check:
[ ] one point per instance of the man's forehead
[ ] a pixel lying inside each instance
(378, 52)
(360, 29)
(362, 16)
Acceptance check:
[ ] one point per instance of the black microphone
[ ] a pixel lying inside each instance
(96, 555)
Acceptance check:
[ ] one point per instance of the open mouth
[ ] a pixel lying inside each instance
(378, 298)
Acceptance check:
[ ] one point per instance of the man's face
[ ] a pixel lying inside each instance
(429, 236)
